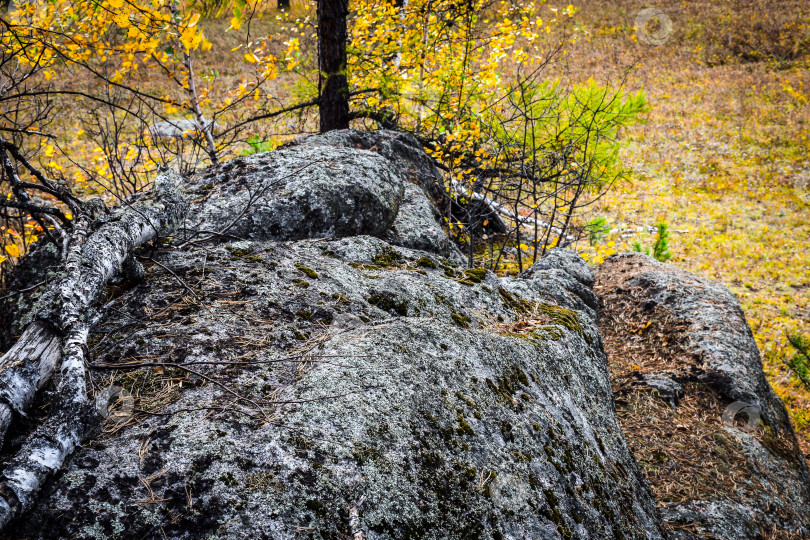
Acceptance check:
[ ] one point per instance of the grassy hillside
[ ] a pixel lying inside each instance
(722, 157)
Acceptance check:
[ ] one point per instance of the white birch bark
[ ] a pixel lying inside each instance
(94, 257)
(24, 369)
(498, 210)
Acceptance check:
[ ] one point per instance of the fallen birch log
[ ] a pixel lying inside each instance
(25, 369)
(498, 210)
(57, 335)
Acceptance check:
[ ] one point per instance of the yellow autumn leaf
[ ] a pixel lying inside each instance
(190, 39)
(13, 250)
(121, 19)
(250, 57)
(236, 24)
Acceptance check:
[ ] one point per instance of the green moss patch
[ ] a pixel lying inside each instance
(388, 257)
(238, 252)
(309, 272)
(474, 275)
(460, 319)
(515, 302)
(425, 262)
(361, 266)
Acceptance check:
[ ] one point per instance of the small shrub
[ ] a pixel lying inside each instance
(660, 248)
(597, 228)
(799, 364)
(258, 145)
(661, 245)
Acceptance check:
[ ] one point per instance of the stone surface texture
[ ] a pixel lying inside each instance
(320, 340)
(718, 357)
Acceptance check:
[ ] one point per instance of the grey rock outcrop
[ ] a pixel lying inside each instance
(285, 379)
(313, 340)
(718, 333)
(566, 262)
(566, 269)
(447, 427)
(416, 226)
(401, 149)
(760, 488)
(300, 192)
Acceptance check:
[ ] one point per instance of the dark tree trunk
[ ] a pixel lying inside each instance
(332, 84)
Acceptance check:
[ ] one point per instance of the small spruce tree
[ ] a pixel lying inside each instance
(661, 246)
(637, 247)
(799, 364)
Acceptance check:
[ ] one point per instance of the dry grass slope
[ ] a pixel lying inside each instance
(723, 155)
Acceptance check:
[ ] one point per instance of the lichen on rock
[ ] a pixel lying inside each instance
(676, 337)
(313, 338)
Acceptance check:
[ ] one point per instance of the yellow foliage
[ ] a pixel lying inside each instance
(12, 250)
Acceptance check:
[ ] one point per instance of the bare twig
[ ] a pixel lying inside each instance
(354, 519)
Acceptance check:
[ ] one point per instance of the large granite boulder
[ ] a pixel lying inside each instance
(459, 404)
(310, 358)
(299, 192)
(401, 149)
(281, 370)
(683, 361)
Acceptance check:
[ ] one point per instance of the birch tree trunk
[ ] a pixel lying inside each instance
(206, 128)
(24, 369)
(58, 330)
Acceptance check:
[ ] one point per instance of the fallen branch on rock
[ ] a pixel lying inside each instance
(25, 369)
(496, 210)
(61, 320)
(354, 519)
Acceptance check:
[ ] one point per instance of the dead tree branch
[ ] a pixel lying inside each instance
(63, 316)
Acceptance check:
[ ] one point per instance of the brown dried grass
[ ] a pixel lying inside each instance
(685, 452)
